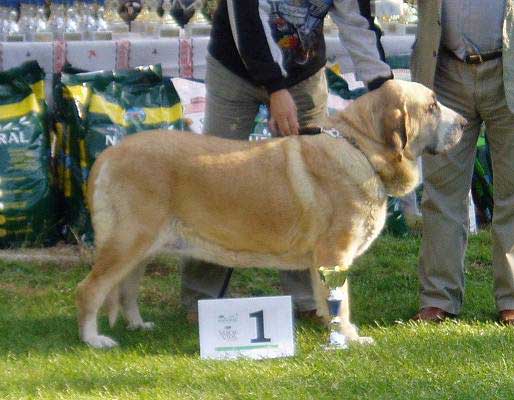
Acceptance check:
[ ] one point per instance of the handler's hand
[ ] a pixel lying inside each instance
(284, 119)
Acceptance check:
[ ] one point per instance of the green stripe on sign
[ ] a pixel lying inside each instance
(257, 346)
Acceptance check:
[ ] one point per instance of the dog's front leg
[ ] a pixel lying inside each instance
(346, 327)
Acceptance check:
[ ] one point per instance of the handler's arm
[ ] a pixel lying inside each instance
(263, 59)
(361, 43)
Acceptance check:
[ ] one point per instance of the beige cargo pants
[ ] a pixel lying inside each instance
(477, 92)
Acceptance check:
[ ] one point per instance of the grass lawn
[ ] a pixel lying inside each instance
(469, 358)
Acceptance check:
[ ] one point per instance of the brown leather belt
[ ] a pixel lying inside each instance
(475, 58)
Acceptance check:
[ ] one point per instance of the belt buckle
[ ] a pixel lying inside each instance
(474, 59)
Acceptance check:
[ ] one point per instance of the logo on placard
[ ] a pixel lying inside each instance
(228, 332)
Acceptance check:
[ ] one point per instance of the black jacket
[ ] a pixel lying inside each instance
(279, 43)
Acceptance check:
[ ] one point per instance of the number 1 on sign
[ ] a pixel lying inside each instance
(259, 321)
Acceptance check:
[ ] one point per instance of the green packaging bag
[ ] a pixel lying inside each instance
(27, 193)
(482, 182)
(102, 108)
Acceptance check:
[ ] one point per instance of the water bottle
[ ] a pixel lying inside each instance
(27, 19)
(57, 18)
(89, 23)
(4, 11)
(103, 31)
(43, 31)
(13, 31)
(261, 130)
(72, 22)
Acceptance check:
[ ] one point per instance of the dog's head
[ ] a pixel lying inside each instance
(411, 121)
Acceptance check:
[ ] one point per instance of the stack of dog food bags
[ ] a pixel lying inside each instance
(102, 108)
(27, 193)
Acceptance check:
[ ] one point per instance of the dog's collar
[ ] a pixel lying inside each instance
(332, 132)
(336, 134)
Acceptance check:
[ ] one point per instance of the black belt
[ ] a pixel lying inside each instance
(482, 58)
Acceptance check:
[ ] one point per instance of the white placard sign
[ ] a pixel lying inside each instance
(255, 327)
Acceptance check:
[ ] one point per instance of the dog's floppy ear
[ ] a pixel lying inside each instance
(395, 131)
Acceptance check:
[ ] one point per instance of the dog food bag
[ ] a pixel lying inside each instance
(339, 86)
(104, 107)
(192, 97)
(27, 195)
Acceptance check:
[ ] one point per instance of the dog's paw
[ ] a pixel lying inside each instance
(100, 342)
(364, 340)
(145, 326)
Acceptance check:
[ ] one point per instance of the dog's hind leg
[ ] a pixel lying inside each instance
(113, 264)
(129, 289)
(320, 292)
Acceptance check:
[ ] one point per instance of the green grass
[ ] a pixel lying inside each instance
(469, 358)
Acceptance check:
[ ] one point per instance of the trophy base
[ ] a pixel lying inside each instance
(171, 32)
(100, 35)
(15, 38)
(198, 30)
(119, 27)
(43, 37)
(151, 30)
(337, 341)
(72, 36)
(138, 27)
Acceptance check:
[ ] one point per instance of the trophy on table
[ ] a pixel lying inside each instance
(103, 30)
(57, 18)
(113, 19)
(27, 19)
(147, 21)
(153, 20)
(43, 31)
(88, 20)
(12, 30)
(198, 25)
(169, 26)
(138, 25)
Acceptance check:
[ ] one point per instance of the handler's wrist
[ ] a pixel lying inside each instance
(275, 87)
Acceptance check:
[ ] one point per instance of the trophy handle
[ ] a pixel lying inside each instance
(186, 7)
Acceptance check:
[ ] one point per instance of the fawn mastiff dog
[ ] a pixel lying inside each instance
(301, 202)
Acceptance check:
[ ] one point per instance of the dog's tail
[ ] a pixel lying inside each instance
(112, 305)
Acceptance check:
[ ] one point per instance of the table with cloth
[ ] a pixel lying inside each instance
(184, 57)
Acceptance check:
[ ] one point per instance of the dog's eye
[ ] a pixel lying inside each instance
(432, 107)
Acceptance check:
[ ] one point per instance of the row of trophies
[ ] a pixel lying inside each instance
(36, 20)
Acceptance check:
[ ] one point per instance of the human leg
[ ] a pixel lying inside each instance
(500, 132)
(447, 180)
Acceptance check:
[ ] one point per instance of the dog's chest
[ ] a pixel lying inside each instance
(374, 214)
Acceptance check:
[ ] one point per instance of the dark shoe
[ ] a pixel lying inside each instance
(507, 317)
(431, 314)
